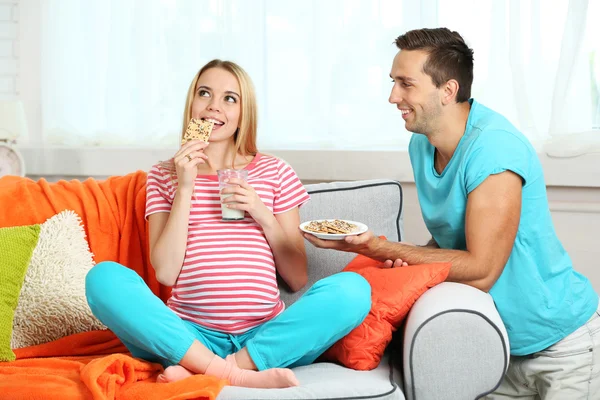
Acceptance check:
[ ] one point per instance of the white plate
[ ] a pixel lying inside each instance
(362, 228)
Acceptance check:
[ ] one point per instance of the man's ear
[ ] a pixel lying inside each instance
(450, 91)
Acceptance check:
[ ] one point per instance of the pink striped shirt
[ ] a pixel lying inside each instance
(228, 279)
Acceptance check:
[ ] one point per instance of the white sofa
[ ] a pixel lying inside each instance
(453, 345)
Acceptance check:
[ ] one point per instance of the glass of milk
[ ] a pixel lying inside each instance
(229, 214)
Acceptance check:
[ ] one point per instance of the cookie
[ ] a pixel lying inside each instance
(335, 226)
(197, 129)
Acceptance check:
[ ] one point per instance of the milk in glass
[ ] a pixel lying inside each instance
(229, 214)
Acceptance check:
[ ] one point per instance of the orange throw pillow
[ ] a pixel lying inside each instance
(393, 292)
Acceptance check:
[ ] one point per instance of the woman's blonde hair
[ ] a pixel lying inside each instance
(245, 135)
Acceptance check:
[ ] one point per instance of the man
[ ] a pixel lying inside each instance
(483, 198)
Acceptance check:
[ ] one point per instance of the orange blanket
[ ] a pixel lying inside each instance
(117, 376)
(112, 212)
(76, 367)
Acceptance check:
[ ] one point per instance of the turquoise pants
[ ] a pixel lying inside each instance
(329, 310)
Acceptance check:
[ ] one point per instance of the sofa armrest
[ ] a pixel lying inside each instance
(455, 345)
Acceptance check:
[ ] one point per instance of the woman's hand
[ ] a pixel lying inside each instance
(186, 160)
(247, 199)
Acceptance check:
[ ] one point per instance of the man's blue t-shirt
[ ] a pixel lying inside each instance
(539, 296)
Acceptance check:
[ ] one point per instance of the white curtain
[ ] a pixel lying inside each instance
(115, 72)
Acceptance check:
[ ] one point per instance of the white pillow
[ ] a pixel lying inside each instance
(52, 301)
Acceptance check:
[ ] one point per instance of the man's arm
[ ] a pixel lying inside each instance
(401, 263)
(491, 223)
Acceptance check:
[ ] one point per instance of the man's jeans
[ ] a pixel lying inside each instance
(568, 370)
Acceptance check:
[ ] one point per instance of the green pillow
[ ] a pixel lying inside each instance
(16, 247)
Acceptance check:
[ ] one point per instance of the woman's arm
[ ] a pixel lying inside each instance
(168, 231)
(168, 238)
(288, 249)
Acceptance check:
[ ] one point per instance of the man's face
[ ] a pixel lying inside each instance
(414, 93)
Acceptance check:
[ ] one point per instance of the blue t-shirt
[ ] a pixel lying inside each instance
(539, 296)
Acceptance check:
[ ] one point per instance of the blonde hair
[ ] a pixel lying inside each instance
(245, 135)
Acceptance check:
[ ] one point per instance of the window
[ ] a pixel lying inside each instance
(115, 73)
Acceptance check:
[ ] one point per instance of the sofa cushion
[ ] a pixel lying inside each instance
(376, 203)
(16, 246)
(393, 292)
(52, 301)
(329, 381)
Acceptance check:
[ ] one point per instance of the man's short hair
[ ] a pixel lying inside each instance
(449, 57)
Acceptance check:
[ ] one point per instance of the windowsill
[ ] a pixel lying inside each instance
(320, 165)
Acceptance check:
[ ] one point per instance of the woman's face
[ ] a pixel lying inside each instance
(217, 99)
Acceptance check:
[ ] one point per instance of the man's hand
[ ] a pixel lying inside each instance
(394, 264)
(352, 244)
(397, 263)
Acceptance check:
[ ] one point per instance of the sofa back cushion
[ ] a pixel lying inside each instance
(376, 203)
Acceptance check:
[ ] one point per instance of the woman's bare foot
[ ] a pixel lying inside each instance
(174, 373)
